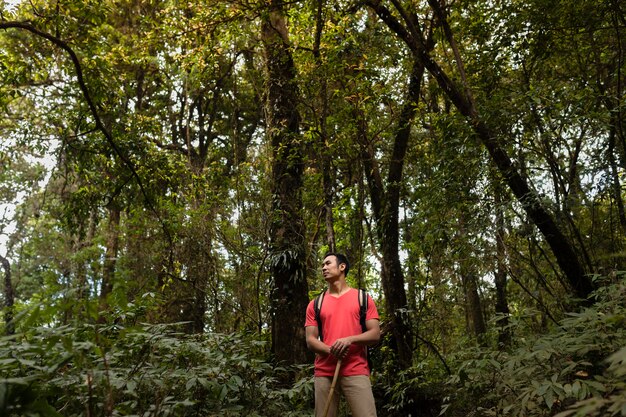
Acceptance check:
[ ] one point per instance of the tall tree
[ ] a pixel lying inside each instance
(9, 297)
(500, 270)
(385, 198)
(288, 263)
(325, 156)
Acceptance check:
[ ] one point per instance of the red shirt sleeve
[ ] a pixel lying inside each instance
(372, 311)
(310, 315)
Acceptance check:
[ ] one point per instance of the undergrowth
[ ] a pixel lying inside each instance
(577, 369)
(147, 370)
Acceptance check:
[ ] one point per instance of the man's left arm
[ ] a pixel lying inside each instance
(369, 337)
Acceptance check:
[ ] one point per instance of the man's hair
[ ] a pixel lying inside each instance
(341, 259)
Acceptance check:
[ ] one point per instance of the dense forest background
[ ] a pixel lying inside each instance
(173, 173)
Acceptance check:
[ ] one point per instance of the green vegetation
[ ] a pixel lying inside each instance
(574, 369)
(142, 370)
(172, 172)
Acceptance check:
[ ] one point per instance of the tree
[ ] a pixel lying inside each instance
(463, 99)
(9, 297)
(207, 156)
(288, 255)
(385, 205)
(500, 270)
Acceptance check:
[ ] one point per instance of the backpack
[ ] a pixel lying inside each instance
(317, 304)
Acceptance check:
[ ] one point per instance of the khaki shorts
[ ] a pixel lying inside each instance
(357, 390)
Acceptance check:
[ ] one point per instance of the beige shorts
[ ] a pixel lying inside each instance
(357, 390)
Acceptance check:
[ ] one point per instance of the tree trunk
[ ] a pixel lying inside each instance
(325, 157)
(358, 236)
(502, 305)
(328, 203)
(474, 308)
(385, 205)
(469, 279)
(9, 297)
(79, 265)
(615, 181)
(112, 249)
(200, 273)
(289, 297)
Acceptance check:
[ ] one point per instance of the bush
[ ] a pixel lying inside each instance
(142, 371)
(564, 371)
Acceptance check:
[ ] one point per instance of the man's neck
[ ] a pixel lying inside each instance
(338, 288)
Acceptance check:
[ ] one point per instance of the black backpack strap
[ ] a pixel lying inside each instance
(317, 304)
(363, 308)
(362, 317)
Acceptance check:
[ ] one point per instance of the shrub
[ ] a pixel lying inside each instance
(142, 371)
(546, 374)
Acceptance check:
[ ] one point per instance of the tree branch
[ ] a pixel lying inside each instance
(94, 111)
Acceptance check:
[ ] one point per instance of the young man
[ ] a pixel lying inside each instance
(343, 338)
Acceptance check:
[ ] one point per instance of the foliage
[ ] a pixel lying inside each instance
(612, 404)
(168, 219)
(113, 370)
(578, 364)
(416, 391)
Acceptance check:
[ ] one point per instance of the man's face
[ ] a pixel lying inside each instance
(331, 268)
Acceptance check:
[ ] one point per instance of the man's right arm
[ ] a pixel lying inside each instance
(313, 343)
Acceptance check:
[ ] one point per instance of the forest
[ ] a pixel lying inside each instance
(173, 173)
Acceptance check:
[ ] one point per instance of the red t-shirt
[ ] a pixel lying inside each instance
(341, 318)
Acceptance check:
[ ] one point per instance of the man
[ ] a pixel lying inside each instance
(343, 338)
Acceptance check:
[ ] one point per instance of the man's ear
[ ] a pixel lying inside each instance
(342, 267)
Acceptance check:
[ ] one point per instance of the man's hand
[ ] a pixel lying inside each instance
(341, 346)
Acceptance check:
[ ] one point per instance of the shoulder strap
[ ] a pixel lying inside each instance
(363, 308)
(318, 307)
(362, 317)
